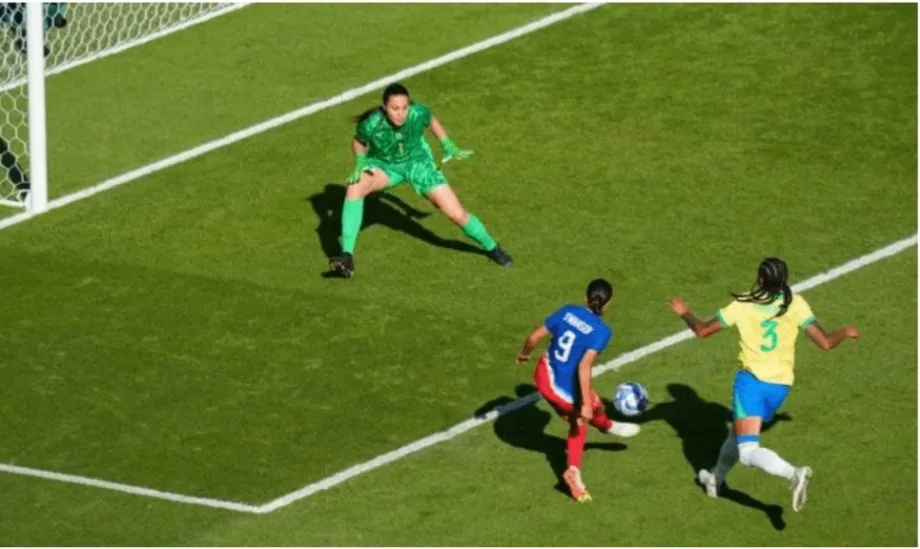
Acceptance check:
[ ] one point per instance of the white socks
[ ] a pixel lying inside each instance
(728, 456)
(751, 454)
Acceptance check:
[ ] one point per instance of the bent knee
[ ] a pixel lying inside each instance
(357, 190)
(369, 183)
(746, 451)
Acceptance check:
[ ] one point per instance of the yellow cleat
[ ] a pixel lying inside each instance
(584, 498)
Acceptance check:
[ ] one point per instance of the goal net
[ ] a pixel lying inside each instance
(75, 34)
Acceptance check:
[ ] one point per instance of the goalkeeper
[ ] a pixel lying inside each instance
(390, 148)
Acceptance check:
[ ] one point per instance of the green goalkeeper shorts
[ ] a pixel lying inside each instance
(424, 175)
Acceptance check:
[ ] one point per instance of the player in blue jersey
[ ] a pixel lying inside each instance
(563, 374)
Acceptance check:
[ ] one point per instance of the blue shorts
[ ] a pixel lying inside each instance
(754, 398)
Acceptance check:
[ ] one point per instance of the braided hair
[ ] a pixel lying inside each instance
(771, 282)
(599, 293)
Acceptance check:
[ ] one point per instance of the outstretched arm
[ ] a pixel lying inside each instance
(532, 341)
(699, 327)
(437, 128)
(827, 341)
(451, 150)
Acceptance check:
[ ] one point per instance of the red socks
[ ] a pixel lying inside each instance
(576, 444)
(578, 433)
(600, 420)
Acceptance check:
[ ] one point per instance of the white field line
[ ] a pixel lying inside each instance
(127, 489)
(443, 436)
(281, 120)
(612, 365)
(12, 203)
(128, 45)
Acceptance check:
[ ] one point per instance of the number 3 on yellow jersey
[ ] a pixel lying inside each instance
(769, 334)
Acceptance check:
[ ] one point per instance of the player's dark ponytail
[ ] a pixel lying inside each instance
(772, 275)
(366, 114)
(787, 299)
(598, 295)
(393, 89)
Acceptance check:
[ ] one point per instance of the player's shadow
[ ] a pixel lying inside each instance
(702, 427)
(525, 428)
(379, 209)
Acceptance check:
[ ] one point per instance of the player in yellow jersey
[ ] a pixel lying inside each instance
(768, 319)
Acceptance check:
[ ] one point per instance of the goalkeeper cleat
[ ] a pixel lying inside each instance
(343, 264)
(500, 256)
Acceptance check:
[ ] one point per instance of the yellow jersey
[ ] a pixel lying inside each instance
(768, 342)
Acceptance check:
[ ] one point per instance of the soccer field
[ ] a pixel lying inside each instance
(178, 371)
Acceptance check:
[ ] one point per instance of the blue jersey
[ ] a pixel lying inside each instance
(575, 330)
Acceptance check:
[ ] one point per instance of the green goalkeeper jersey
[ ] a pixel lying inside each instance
(396, 145)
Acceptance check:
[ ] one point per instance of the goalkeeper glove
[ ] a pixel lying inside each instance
(451, 150)
(360, 162)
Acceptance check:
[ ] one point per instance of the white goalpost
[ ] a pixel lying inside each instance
(38, 40)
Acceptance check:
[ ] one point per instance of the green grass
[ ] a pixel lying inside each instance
(498, 479)
(253, 64)
(137, 107)
(176, 332)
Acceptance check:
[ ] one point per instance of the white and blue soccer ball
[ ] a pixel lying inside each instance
(630, 398)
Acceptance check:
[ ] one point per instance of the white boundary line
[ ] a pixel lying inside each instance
(442, 436)
(12, 203)
(273, 123)
(127, 489)
(130, 44)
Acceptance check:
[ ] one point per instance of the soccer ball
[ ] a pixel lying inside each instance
(630, 398)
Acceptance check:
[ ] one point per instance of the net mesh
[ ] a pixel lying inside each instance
(75, 34)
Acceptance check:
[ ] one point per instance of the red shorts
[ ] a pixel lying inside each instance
(556, 398)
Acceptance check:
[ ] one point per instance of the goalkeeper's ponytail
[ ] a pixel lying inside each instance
(393, 89)
(366, 114)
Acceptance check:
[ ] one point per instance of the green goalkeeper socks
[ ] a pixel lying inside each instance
(352, 213)
(477, 231)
